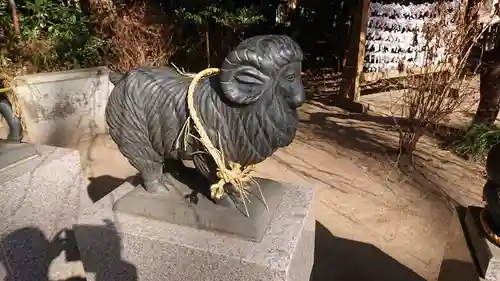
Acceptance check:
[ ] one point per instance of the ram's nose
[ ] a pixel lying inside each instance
(299, 96)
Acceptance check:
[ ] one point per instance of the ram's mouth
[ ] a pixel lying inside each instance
(296, 103)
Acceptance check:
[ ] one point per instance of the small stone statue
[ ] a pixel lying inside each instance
(491, 195)
(15, 129)
(248, 111)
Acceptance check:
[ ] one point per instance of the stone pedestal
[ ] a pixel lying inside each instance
(458, 263)
(40, 197)
(485, 252)
(117, 246)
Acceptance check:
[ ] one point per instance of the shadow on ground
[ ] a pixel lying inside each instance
(27, 254)
(338, 259)
(103, 185)
(377, 138)
(334, 127)
(105, 261)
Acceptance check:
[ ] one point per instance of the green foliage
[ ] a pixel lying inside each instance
(476, 141)
(225, 14)
(214, 27)
(63, 31)
(5, 15)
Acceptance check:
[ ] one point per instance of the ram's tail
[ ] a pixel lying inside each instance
(115, 77)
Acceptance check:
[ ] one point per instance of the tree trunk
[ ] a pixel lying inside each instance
(408, 141)
(15, 18)
(489, 101)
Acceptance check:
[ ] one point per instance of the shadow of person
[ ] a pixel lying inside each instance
(28, 254)
(347, 260)
(103, 256)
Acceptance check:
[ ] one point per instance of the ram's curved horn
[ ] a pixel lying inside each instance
(250, 69)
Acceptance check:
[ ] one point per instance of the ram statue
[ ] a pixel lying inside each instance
(248, 111)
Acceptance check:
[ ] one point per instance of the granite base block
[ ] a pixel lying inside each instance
(40, 199)
(458, 263)
(485, 252)
(118, 246)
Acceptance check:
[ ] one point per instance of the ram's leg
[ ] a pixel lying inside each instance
(133, 143)
(149, 164)
(154, 181)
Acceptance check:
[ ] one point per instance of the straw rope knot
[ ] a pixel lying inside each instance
(235, 175)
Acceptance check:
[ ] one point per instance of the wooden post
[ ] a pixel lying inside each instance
(350, 85)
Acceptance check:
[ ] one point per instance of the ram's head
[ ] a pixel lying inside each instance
(263, 66)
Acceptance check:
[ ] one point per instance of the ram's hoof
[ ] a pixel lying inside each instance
(156, 186)
(14, 139)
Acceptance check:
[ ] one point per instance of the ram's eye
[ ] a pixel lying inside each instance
(290, 77)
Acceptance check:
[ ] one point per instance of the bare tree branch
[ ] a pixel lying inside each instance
(15, 18)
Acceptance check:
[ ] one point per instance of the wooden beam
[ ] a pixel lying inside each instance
(350, 87)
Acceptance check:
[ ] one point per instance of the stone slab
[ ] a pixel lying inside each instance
(39, 202)
(59, 108)
(486, 253)
(176, 207)
(12, 154)
(458, 261)
(119, 246)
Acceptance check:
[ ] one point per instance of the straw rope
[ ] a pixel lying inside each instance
(227, 172)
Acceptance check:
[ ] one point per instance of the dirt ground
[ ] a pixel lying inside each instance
(373, 223)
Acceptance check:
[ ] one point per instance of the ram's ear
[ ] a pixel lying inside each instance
(243, 84)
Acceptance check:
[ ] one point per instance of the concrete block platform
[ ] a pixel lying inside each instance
(60, 108)
(117, 246)
(40, 198)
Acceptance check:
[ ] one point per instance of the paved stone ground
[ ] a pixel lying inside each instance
(372, 223)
